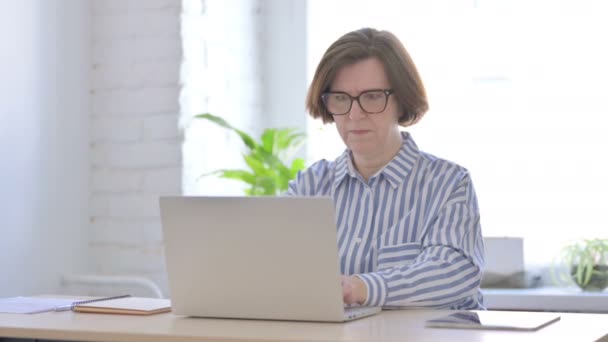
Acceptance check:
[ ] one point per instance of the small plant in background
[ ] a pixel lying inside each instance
(268, 173)
(585, 263)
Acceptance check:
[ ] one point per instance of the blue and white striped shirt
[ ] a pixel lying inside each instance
(411, 233)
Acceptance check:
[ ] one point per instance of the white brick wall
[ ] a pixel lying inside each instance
(142, 100)
(136, 143)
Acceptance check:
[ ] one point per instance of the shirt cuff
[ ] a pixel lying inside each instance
(376, 289)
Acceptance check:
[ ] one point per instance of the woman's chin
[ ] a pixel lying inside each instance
(361, 147)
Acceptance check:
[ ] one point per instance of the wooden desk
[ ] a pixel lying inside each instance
(388, 326)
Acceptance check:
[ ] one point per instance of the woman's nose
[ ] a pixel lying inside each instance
(355, 111)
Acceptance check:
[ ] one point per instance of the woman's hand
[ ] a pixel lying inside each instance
(354, 290)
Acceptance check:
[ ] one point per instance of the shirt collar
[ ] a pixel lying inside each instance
(343, 168)
(395, 171)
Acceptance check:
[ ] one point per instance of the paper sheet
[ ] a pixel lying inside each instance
(30, 305)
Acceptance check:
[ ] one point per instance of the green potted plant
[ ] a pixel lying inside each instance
(267, 159)
(585, 263)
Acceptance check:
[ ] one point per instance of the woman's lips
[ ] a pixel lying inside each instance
(359, 131)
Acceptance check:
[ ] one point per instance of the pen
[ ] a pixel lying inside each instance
(71, 306)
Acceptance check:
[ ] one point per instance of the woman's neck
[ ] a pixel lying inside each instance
(368, 165)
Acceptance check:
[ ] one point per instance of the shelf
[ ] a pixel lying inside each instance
(546, 299)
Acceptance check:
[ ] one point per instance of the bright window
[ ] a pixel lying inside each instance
(517, 95)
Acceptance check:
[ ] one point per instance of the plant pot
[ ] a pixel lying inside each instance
(598, 281)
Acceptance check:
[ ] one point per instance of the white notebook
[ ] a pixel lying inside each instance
(127, 306)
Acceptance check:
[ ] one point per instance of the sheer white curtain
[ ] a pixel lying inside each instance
(517, 95)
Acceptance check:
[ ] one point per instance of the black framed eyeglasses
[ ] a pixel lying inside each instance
(371, 101)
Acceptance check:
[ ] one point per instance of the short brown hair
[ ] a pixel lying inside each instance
(362, 44)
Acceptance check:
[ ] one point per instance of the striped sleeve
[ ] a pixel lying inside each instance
(446, 272)
(313, 181)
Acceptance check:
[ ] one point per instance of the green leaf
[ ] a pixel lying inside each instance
(268, 185)
(269, 159)
(248, 140)
(297, 165)
(269, 140)
(289, 138)
(256, 165)
(241, 175)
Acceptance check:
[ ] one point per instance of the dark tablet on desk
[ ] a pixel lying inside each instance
(494, 320)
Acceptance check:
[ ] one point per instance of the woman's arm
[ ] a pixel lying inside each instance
(447, 269)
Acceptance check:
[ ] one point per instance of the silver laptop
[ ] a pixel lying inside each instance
(254, 258)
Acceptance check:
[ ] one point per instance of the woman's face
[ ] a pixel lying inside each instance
(367, 135)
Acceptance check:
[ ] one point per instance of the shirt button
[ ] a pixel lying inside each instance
(358, 240)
